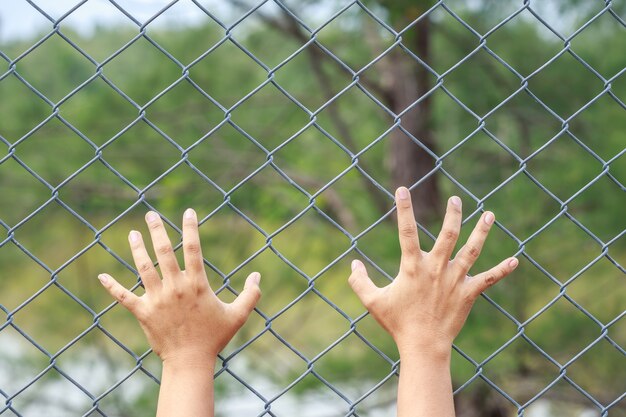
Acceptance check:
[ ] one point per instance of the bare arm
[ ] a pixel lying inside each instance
(425, 307)
(184, 321)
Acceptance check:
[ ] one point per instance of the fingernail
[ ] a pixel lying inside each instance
(133, 236)
(489, 217)
(355, 264)
(103, 278)
(403, 193)
(151, 216)
(255, 277)
(456, 201)
(190, 214)
(513, 263)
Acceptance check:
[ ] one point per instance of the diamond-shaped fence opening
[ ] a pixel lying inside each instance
(287, 125)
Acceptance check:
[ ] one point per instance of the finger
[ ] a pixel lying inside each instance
(162, 245)
(145, 266)
(248, 298)
(444, 245)
(467, 255)
(191, 245)
(484, 280)
(407, 228)
(117, 291)
(362, 285)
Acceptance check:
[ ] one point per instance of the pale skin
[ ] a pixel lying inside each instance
(425, 307)
(185, 322)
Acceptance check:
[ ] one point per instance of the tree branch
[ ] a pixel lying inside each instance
(291, 27)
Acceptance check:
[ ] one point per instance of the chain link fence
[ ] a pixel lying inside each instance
(287, 126)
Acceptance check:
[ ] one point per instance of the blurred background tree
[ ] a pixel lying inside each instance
(470, 99)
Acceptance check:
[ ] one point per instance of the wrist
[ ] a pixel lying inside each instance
(185, 360)
(432, 349)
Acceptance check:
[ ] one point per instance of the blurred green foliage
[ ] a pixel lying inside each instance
(105, 150)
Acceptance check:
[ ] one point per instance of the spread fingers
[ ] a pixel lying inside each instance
(162, 246)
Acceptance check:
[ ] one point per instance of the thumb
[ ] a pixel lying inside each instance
(247, 299)
(361, 284)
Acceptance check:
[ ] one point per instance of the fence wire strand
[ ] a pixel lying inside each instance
(356, 80)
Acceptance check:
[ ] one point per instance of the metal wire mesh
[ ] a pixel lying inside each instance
(27, 391)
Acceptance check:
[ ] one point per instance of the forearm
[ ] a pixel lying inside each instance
(187, 388)
(425, 387)
(425, 307)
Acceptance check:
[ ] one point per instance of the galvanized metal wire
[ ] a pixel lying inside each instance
(353, 405)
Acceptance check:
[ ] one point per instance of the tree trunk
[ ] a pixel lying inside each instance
(404, 81)
(482, 402)
(409, 162)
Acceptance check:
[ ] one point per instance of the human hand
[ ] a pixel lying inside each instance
(425, 307)
(181, 316)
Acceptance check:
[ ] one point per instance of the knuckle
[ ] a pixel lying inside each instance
(164, 249)
(178, 292)
(154, 225)
(490, 279)
(200, 288)
(144, 267)
(122, 297)
(193, 248)
(473, 251)
(408, 229)
(450, 234)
